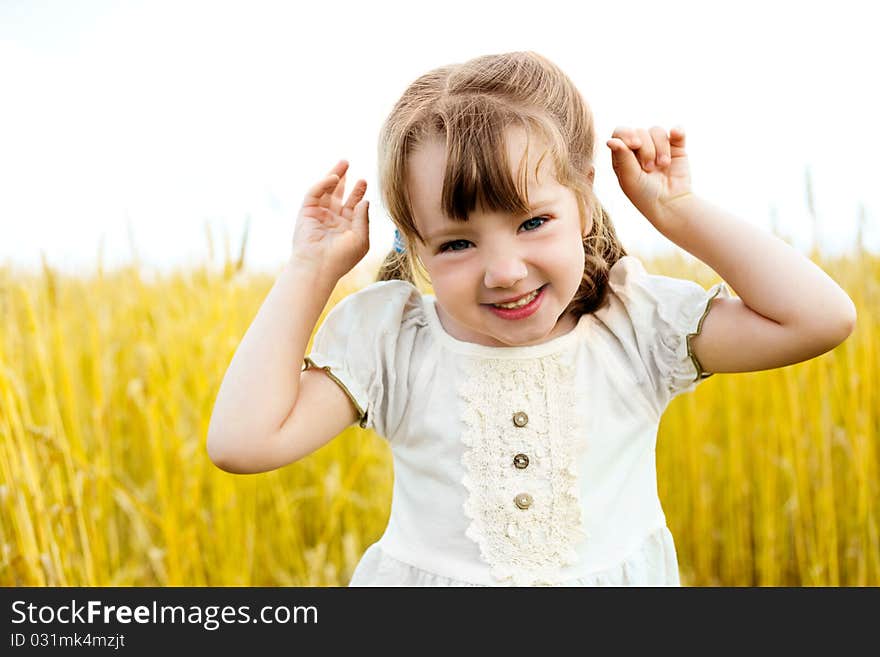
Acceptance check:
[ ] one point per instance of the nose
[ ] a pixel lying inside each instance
(504, 270)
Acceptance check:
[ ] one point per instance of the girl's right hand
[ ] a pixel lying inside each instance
(331, 235)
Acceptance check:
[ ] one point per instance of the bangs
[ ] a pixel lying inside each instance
(478, 173)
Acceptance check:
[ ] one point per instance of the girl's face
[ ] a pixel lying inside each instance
(496, 257)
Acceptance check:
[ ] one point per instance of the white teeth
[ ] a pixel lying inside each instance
(519, 304)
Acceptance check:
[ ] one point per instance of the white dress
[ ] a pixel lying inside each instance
(519, 466)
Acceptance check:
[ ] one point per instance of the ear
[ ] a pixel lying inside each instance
(588, 222)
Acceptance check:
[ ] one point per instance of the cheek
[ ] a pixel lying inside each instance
(577, 259)
(562, 251)
(569, 261)
(577, 250)
(450, 278)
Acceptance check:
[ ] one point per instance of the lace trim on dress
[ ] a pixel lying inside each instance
(524, 546)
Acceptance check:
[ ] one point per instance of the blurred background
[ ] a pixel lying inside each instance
(153, 156)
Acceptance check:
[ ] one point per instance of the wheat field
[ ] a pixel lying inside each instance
(107, 383)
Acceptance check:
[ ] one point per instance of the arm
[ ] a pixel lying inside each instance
(789, 310)
(260, 386)
(268, 413)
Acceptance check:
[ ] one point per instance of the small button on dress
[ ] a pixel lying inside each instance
(520, 419)
(523, 500)
(521, 461)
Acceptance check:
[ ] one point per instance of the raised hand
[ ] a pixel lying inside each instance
(651, 166)
(332, 235)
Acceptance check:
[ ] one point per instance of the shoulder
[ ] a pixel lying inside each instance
(647, 298)
(399, 294)
(653, 313)
(366, 340)
(629, 274)
(381, 305)
(653, 317)
(626, 278)
(625, 269)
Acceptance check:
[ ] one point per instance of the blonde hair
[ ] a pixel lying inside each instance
(469, 106)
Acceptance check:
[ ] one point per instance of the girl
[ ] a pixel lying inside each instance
(522, 399)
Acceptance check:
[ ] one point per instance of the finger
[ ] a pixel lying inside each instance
(647, 152)
(360, 221)
(317, 193)
(628, 136)
(623, 160)
(676, 140)
(661, 146)
(340, 189)
(339, 168)
(360, 188)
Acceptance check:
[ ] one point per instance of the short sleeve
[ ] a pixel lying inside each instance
(364, 344)
(665, 314)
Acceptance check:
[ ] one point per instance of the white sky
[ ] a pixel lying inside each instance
(167, 116)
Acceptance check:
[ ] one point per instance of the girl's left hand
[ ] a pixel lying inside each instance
(651, 166)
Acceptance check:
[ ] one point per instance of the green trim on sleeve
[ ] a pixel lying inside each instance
(700, 373)
(309, 363)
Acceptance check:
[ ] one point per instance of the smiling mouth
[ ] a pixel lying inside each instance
(524, 300)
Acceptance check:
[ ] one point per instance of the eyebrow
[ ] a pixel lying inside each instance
(457, 228)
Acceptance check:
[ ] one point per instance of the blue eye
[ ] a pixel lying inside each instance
(543, 220)
(447, 246)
